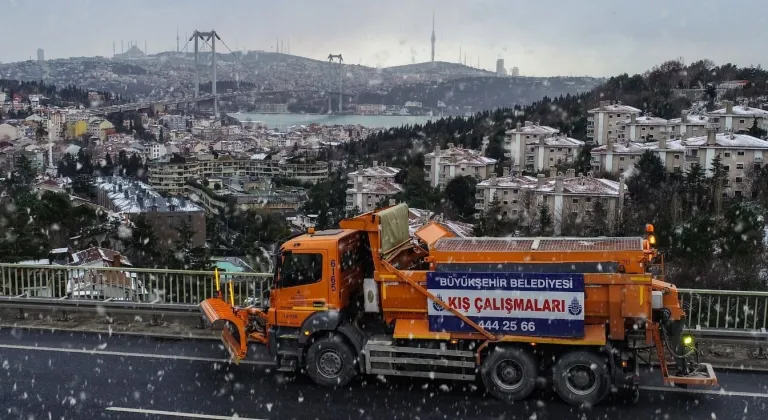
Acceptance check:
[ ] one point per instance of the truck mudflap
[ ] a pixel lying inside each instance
(217, 313)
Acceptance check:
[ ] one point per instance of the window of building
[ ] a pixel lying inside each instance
(741, 121)
(301, 269)
(727, 154)
(575, 201)
(559, 149)
(505, 202)
(738, 193)
(588, 199)
(514, 191)
(739, 166)
(621, 159)
(677, 157)
(551, 150)
(632, 157)
(726, 168)
(740, 153)
(739, 179)
(506, 192)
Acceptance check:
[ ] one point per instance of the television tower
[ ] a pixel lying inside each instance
(177, 39)
(433, 37)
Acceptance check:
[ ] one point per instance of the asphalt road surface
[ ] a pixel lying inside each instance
(56, 375)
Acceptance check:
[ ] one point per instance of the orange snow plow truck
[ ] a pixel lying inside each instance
(368, 298)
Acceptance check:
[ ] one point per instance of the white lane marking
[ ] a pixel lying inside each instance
(177, 414)
(721, 392)
(145, 355)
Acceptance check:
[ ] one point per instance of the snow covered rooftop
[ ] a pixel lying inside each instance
(617, 107)
(531, 128)
(558, 141)
(692, 120)
(129, 196)
(378, 187)
(645, 120)
(730, 140)
(572, 185)
(377, 171)
(742, 110)
(460, 156)
(97, 254)
(630, 148)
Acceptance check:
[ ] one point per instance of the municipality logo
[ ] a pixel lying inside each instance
(436, 306)
(575, 307)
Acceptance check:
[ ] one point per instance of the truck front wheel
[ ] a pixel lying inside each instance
(581, 378)
(509, 373)
(330, 362)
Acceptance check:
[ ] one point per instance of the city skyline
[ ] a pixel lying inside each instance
(546, 38)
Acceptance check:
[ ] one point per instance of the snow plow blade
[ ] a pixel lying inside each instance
(217, 313)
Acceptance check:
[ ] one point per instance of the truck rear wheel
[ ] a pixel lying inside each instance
(581, 378)
(330, 362)
(509, 373)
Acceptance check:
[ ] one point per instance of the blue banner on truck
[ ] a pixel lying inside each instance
(533, 304)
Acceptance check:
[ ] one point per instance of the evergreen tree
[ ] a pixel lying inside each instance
(544, 221)
(460, 196)
(755, 130)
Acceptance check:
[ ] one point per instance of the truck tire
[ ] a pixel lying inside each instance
(581, 378)
(509, 373)
(330, 362)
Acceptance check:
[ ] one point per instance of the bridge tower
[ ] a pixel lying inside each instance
(332, 57)
(211, 36)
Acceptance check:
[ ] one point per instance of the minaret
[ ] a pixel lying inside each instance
(433, 37)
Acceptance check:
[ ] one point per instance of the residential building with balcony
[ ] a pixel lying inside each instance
(641, 128)
(363, 197)
(570, 198)
(603, 121)
(220, 194)
(169, 175)
(738, 118)
(615, 157)
(688, 125)
(739, 154)
(441, 166)
(372, 174)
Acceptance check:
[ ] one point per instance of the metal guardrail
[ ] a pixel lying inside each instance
(127, 284)
(725, 309)
(714, 315)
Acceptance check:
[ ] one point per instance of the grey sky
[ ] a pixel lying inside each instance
(542, 37)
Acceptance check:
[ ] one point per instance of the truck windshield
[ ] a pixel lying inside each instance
(299, 269)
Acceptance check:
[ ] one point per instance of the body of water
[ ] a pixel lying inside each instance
(283, 121)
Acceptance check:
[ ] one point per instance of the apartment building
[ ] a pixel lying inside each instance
(617, 157)
(641, 128)
(169, 175)
(688, 125)
(536, 148)
(367, 186)
(738, 118)
(364, 197)
(570, 198)
(738, 153)
(132, 198)
(57, 125)
(229, 195)
(603, 121)
(441, 166)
